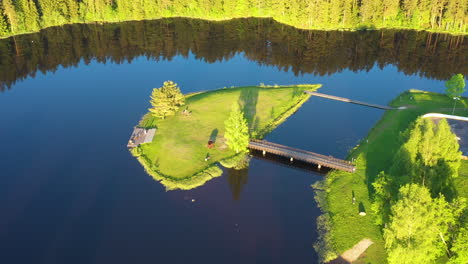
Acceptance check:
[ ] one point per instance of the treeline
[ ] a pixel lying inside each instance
(416, 202)
(20, 16)
(436, 56)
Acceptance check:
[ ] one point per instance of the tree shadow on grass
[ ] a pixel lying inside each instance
(213, 135)
(361, 208)
(248, 101)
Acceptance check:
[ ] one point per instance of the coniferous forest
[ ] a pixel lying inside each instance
(21, 16)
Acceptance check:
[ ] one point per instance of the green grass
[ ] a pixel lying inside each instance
(373, 155)
(179, 148)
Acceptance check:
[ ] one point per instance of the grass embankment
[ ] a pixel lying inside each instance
(176, 157)
(375, 154)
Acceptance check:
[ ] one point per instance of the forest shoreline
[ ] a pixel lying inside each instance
(357, 28)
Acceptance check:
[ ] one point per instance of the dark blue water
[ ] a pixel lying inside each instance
(70, 191)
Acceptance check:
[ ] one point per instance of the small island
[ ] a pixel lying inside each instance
(189, 143)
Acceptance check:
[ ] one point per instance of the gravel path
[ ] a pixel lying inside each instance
(354, 253)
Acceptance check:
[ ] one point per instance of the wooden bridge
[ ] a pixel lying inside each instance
(347, 100)
(302, 155)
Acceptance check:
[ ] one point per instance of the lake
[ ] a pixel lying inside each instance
(71, 192)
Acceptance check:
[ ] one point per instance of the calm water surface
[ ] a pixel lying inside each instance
(71, 192)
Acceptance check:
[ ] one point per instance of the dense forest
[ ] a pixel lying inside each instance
(265, 41)
(20, 16)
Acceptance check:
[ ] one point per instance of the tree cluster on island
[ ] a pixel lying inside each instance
(416, 202)
(166, 100)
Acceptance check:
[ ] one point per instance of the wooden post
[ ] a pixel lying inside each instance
(264, 153)
(291, 159)
(319, 166)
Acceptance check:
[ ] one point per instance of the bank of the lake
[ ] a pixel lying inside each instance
(341, 226)
(21, 18)
(177, 155)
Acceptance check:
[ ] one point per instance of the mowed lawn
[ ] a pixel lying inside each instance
(179, 147)
(375, 154)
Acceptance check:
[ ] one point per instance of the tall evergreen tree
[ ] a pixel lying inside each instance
(236, 130)
(10, 13)
(3, 23)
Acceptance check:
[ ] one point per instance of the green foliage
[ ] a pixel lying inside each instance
(421, 228)
(455, 86)
(460, 247)
(382, 198)
(3, 23)
(447, 15)
(236, 130)
(166, 100)
(430, 157)
(412, 235)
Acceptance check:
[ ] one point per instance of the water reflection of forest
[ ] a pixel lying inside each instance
(267, 42)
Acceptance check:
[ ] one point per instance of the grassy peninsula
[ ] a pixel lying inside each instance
(176, 157)
(341, 226)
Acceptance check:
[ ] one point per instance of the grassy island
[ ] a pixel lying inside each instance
(176, 157)
(341, 226)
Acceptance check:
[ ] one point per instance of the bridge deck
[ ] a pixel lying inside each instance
(298, 154)
(347, 100)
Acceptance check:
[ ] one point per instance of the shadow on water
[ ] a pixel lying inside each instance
(339, 260)
(237, 180)
(296, 164)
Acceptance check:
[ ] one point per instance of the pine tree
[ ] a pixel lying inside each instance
(10, 13)
(236, 130)
(3, 24)
(166, 100)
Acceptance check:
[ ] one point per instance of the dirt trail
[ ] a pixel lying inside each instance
(353, 254)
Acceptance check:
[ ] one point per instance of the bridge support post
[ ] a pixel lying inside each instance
(319, 166)
(264, 153)
(291, 159)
